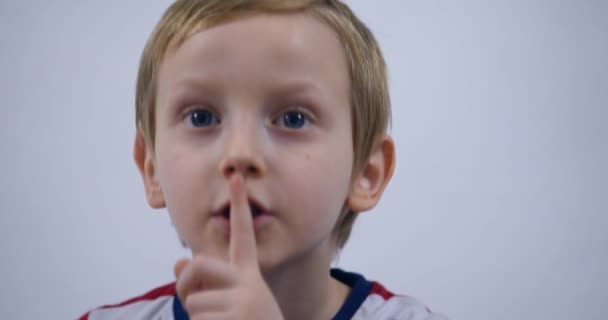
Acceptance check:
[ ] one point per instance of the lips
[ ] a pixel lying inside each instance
(256, 209)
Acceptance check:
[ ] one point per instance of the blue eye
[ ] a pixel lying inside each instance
(293, 119)
(202, 118)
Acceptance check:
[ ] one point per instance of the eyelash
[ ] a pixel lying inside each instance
(190, 112)
(306, 117)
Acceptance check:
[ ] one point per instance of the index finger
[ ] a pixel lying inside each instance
(243, 246)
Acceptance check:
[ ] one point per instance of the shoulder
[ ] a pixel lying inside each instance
(383, 304)
(370, 300)
(154, 304)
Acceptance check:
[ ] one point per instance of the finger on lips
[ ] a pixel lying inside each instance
(243, 248)
(202, 281)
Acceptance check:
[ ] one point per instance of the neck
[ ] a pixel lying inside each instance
(305, 290)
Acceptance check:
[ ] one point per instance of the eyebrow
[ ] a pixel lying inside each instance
(186, 84)
(188, 87)
(303, 87)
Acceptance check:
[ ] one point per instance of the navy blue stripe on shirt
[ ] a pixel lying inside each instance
(179, 313)
(360, 289)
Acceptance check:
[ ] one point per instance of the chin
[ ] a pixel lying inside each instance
(270, 261)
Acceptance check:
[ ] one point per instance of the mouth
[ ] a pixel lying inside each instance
(257, 210)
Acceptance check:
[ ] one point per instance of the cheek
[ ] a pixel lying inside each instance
(180, 172)
(319, 185)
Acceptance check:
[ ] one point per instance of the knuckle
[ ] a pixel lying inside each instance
(190, 303)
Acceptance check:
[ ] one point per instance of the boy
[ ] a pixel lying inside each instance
(261, 128)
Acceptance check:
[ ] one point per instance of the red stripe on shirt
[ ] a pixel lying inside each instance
(385, 294)
(381, 291)
(163, 291)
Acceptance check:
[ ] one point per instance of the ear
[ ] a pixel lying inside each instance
(144, 160)
(369, 185)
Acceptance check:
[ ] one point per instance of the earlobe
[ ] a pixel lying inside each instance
(368, 187)
(147, 168)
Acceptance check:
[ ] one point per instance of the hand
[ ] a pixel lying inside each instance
(235, 289)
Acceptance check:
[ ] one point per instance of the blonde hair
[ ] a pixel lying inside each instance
(369, 85)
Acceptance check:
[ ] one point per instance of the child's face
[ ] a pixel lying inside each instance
(265, 96)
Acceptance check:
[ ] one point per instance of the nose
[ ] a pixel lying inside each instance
(247, 166)
(242, 156)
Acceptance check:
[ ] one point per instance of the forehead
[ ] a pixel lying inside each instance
(260, 49)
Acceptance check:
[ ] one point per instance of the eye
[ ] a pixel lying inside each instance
(201, 118)
(293, 120)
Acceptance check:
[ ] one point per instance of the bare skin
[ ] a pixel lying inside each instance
(255, 115)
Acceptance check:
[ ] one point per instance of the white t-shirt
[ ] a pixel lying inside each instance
(368, 300)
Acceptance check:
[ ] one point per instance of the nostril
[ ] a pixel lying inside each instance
(248, 170)
(245, 166)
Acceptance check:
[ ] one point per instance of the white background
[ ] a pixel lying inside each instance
(497, 210)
